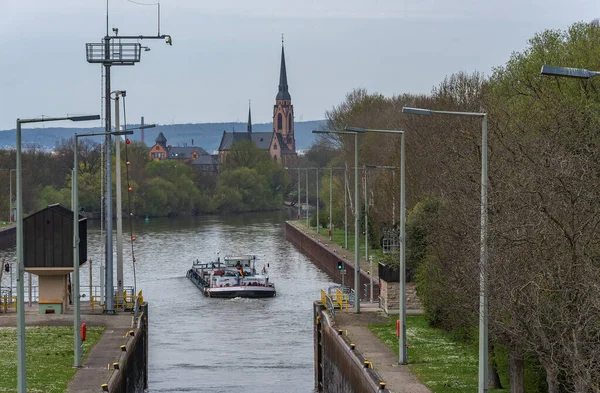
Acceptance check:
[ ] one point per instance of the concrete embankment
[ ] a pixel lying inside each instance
(326, 255)
(348, 357)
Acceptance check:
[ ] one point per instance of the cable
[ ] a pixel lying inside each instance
(129, 189)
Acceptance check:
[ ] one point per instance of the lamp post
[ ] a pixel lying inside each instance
(307, 223)
(299, 194)
(403, 353)
(567, 72)
(330, 203)
(483, 257)
(356, 214)
(21, 366)
(367, 231)
(345, 207)
(11, 215)
(317, 181)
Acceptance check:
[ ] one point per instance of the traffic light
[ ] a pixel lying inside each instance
(340, 265)
(6, 267)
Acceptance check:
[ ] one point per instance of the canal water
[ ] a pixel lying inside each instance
(199, 344)
(227, 345)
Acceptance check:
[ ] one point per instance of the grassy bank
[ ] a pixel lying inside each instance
(338, 237)
(443, 364)
(49, 357)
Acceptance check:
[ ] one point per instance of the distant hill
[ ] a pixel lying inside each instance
(205, 135)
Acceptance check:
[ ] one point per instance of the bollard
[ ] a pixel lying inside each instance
(123, 348)
(381, 385)
(366, 364)
(340, 331)
(352, 346)
(105, 387)
(116, 366)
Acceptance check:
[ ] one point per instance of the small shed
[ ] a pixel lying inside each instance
(48, 253)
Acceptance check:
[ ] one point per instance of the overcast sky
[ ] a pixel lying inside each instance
(226, 52)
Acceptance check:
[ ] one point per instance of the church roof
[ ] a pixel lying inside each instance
(262, 140)
(161, 139)
(249, 119)
(283, 93)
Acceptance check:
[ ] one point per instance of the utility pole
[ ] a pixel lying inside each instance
(318, 223)
(125, 51)
(142, 128)
(118, 93)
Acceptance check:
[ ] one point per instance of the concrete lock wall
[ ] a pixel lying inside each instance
(131, 372)
(338, 367)
(325, 258)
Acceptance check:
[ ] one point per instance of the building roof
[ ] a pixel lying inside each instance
(283, 93)
(160, 139)
(184, 152)
(206, 160)
(262, 140)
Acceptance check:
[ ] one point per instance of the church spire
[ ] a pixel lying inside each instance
(283, 93)
(249, 118)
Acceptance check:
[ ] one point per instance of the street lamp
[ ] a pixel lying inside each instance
(356, 213)
(21, 366)
(403, 354)
(11, 203)
(483, 257)
(567, 72)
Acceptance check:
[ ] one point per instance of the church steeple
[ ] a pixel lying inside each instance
(283, 112)
(249, 119)
(283, 93)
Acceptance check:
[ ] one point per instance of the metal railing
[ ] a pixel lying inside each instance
(120, 53)
(337, 298)
(124, 302)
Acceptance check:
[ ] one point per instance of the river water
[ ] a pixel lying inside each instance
(199, 344)
(227, 345)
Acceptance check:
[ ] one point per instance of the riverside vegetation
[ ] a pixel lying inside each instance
(544, 187)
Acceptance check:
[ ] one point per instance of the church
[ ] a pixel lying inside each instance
(280, 143)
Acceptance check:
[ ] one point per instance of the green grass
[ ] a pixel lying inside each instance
(442, 364)
(49, 357)
(338, 237)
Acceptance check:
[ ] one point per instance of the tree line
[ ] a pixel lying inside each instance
(249, 181)
(544, 210)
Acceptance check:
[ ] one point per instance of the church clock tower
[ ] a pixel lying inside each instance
(283, 111)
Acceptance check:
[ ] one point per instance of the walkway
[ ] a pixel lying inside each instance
(398, 378)
(94, 371)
